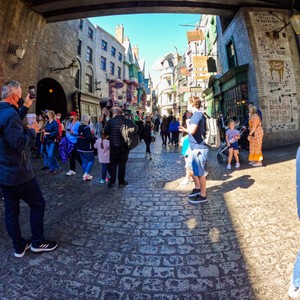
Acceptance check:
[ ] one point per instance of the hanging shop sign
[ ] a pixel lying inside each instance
(195, 35)
(200, 61)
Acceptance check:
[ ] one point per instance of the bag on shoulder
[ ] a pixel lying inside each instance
(129, 132)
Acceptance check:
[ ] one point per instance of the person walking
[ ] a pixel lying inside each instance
(148, 128)
(118, 148)
(164, 130)
(255, 138)
(174, 131)
(85, 146)
(50, 133)
(71, 134)
(103, 151)
(196, 128)
(17, 179)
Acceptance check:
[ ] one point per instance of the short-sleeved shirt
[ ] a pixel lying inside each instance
(196, 139)
(232, 134)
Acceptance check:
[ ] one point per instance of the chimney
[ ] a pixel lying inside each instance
(135, 50)
(119, 33)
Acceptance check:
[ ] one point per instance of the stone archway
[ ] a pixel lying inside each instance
(51, 96)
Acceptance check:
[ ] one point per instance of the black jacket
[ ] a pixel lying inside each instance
(113, 130)
(85, 139)
(15, 143)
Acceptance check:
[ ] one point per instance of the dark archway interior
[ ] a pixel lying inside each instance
(51, 96)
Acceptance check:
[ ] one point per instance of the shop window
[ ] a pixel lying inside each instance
(231, 56)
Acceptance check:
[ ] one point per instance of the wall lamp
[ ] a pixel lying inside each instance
(73, 67)
(20, 51)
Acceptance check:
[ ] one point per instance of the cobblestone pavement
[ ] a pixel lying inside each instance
(146, 241)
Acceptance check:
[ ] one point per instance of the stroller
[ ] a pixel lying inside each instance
(223, 150)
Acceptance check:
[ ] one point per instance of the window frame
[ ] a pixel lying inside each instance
(113, 51)
(89, 54)
(89, 83)
(103, 64)
(90, 33)
(232, 60)
(104, 45)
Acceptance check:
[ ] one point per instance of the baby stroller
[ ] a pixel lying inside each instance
(223, 150)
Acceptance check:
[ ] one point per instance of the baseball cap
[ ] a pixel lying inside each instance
(73, 113)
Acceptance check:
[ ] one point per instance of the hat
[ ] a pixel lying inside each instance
(73, 113)
(45, 111)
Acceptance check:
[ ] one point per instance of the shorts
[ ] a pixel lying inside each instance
(234, 145)
(196, 161)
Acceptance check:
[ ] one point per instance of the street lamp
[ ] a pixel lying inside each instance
(73, 67)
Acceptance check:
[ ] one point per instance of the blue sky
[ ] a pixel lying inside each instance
(155, 34)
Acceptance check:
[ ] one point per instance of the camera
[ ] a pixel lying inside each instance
(31, 92)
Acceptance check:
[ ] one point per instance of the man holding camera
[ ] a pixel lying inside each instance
(17, 179)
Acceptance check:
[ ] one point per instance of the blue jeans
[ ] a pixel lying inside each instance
(104, 170)
(196, 161)
(31, 193)
(45, 155)
(88, 160)
(53, 163)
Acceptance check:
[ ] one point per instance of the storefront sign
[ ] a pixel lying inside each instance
(195, 35)
(200, 61)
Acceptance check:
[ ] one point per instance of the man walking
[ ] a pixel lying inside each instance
(17, 179)
(196, 129)
(118, 148)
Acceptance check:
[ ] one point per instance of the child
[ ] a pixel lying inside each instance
(102, 146)
(232, 135)
(185, 149)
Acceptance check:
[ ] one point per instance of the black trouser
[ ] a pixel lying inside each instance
(74, 156)
(147, 142)
(164, 136)
(175, 137)
(118, 159)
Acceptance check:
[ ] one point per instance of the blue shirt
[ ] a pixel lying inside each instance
(196, 139)
(73, 127)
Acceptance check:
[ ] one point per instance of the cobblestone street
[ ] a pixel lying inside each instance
(146, 241)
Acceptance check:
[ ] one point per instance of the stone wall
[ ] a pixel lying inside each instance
(273, 75)
(20, 26)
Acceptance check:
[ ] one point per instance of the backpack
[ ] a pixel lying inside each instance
(129, 132)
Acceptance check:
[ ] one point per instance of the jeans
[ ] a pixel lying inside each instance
(31, 193)
(118, 159)
(147, 142)
(53, 163)
(88, 160)
(104, 170)
(45, 155)
(196, 161)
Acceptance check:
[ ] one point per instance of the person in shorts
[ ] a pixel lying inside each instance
(196, 129)
(232, 137)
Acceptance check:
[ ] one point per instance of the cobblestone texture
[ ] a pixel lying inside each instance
(146, 241)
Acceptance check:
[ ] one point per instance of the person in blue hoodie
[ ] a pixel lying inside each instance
(294, 290)
(17, 179)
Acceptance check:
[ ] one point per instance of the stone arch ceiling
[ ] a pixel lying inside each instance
(61, 10)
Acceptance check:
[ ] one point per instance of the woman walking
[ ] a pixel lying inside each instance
(255, 138)
(148, 128)
(85, 146)
(50, 132)
(164, 130)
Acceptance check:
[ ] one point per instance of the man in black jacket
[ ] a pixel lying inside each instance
(118, 148)
(17, 179)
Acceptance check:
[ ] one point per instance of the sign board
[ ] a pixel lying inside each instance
(196, 89)
(200, 61)
(195, 35)
(203, 77)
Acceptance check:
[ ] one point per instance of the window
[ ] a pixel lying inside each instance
(104, 45)
(103, 63)
(231, 55)
(112, 68)
(77, 79)
(79, 43)
(120, 57)
(88, 83)
(113, 51)
(81, 24)
(89, 55)
(119, 72)
(90, 33)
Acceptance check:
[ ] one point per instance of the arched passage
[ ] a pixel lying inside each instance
(51, 96)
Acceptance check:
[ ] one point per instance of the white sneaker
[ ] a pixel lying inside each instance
(258, 164)
(228, 167)
(71, 172)
(185, 181)
(293, 292)
(87, 177)
(237, 165)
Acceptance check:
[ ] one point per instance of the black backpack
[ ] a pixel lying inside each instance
(129, 132)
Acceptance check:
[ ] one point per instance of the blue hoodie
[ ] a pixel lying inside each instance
(15, 143)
